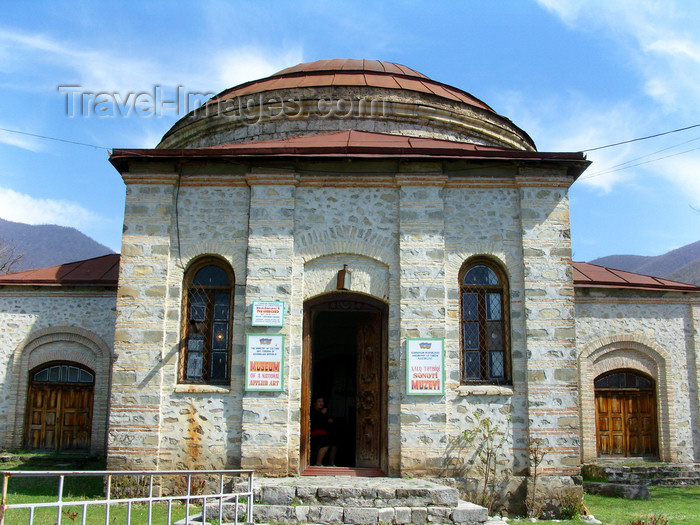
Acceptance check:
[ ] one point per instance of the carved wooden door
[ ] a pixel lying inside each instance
(369, 381)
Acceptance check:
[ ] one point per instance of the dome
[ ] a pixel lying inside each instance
(344, 94)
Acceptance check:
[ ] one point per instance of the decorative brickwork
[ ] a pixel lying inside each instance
(59, 343)
(643, 334)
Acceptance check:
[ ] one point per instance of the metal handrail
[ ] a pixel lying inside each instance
(150, 499)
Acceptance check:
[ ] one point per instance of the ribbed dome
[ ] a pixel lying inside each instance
(344, 94)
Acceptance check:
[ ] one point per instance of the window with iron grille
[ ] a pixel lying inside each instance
(485, 340)
(207, 316)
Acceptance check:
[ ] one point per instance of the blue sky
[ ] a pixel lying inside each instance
(575, 75)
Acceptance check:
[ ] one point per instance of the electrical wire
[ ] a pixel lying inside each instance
(57, 139)
(628, 164)
(641, 138)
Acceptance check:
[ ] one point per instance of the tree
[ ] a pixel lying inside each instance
(10, 256)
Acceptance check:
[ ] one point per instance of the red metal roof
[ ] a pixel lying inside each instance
(104, 271)
(351, 72)
(355, 144)
(587, 275)
(99, 271)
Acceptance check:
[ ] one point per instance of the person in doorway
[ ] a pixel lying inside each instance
(322, 432)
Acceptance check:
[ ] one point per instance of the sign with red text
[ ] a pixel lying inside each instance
(264, 359)
(425, 367)
(268, 313)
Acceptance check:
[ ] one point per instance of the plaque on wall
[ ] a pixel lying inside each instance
(264, 362)
(268, 313)
(425, 367)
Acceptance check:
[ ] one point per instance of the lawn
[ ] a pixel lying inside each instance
(45, 490)
(679, 505)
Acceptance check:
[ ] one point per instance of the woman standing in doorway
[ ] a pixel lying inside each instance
(321, 432)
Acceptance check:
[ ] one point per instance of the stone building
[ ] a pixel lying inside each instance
(354, 230)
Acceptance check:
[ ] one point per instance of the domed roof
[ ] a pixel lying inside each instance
(351, 72)
(344, 94)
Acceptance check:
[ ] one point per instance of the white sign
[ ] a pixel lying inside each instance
(264, 362)
(425, 367)
(268, 313)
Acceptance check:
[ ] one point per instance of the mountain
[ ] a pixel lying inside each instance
(681, 264)
(48, 244)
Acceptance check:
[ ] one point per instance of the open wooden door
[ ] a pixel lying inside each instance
(368, 429)
(345, 362)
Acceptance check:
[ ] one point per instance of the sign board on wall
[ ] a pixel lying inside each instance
(268, 313)
(264, 362)
(425, 367)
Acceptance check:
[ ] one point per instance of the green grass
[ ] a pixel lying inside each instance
(680, 506)
(45, 490)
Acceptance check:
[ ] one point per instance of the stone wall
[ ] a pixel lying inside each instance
(40, 325)
(405, 237)
(651, 332)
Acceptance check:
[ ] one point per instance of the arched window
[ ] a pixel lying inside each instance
(485, 331)
(207, 316)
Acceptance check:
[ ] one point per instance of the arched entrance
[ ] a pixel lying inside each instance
(59, 407)
(345, 362)
(625, 406)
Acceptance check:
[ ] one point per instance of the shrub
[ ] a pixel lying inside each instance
(571, 504)
(654, 519)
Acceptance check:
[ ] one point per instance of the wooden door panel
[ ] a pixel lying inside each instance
(59, 417)
(368, 431)
(626, 423)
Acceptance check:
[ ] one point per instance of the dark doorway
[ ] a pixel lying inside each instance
(345, 363)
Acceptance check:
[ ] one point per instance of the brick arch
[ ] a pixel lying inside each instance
(456, 260)
(631, 352)
(61, 343)
(346, 239)
(233, 256)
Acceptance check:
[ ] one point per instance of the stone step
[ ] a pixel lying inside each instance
(353, 492)
(663, 474)
(461, 514)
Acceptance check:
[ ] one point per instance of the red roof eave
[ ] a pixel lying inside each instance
(100, 271)
(587, 275)
(353, 144)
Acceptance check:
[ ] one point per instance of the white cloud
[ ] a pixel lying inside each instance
(683, 171)
(660, 38)
(571, 122)
(20, 207)
(242, 65)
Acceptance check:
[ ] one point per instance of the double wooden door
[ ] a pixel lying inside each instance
(626, 423)
(59, 417)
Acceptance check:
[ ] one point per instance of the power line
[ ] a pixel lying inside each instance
(56, 139)
(642, 138)
(628, 164)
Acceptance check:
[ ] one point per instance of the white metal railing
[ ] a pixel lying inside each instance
(209, 493)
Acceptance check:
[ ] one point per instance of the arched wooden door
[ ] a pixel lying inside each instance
(59, 407)
(625, 405)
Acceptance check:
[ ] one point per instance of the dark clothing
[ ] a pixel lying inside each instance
(320, 429)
